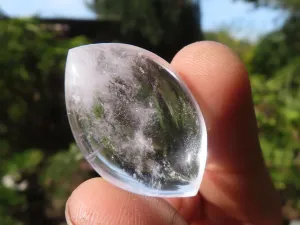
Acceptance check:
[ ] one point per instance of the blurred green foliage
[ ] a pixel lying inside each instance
(144, 15)
(293, 6)
(274, 67)
(158, 21)
(32, 62)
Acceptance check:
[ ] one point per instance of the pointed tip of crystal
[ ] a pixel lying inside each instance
(135, 120)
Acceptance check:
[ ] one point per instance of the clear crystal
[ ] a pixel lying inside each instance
(135, 120)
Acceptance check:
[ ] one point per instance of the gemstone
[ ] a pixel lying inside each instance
(135, 120)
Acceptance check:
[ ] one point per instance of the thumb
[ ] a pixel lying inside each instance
(98, 202)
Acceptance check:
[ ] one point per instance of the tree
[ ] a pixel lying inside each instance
(274, 65)
(2, 14)
(276, 84)
(158, 21)
(33, 128)
(293, 6)
(284, 42)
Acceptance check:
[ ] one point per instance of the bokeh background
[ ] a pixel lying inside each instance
(40, 164)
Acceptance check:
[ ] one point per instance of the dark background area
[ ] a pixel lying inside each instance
(40, 164)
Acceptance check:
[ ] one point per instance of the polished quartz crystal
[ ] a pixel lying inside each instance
(135, 120)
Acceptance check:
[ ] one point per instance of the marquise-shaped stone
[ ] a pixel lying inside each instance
(135, 120)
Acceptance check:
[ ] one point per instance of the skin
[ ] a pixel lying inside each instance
(236, 188)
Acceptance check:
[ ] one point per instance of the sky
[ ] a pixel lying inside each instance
(242, 19)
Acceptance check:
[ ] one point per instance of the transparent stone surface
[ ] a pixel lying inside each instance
(134, 120)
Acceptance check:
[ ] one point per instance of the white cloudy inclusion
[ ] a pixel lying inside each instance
(134, 120)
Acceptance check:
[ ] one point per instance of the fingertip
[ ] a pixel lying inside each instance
(98, 202)
(209, 51)
(219, 81)
(213, 72)
(79, 206)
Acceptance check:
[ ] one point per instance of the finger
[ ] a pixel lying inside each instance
(220, 83)
(236, 181)
(98, 202)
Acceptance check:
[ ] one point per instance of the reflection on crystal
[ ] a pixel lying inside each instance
(135, 121)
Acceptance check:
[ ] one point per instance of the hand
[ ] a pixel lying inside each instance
(236, 187)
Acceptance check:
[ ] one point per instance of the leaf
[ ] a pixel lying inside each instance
(26, 161)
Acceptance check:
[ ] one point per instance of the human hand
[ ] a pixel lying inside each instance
(236, 188)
